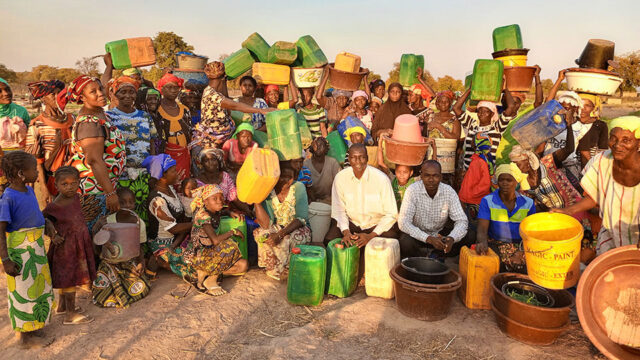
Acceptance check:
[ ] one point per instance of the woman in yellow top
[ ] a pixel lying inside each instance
(176, 121)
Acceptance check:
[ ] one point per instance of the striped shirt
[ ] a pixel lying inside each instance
(504, 225)
(471, 127)
(314, 117)
(619, 206)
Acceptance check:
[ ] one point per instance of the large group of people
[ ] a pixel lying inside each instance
(167, 157)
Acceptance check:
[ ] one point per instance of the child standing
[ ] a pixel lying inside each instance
(186, 196)
(313, 114)
(22, 250)
(71, 252)
(120, 284)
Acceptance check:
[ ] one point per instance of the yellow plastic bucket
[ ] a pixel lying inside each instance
(552, 249)
(513, 60)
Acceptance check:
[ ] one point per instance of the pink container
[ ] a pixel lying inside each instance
(407, 128)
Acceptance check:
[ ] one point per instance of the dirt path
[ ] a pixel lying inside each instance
(254, 321)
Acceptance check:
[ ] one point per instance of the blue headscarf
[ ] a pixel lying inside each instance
(156, 165)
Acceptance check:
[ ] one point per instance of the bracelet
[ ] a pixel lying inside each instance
(110, 194)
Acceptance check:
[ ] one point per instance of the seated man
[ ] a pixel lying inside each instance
(363, 205)
(426, 206)
(499, 218)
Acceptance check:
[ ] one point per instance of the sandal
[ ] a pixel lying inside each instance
(151, 275)
(82, 319)
(79, 310)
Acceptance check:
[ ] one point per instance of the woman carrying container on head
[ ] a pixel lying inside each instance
(358, 108)
(499, 217)
(596, 139)
(612, 182)
(489, 122)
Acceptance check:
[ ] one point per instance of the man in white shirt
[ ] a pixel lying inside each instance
(426, 207)
(363, 205)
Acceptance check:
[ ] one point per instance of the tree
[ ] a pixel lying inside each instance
(448, 83)
(153, 74)
(67, 75)
(167, 45)
(88, 66)
(7, 73)
(394, 74)
(629, 70)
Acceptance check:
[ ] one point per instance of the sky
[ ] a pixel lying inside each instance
(451, 34)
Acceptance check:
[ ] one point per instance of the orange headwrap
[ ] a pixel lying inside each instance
(272, 87)
(167, 78)
(421, 90)
(121, 81)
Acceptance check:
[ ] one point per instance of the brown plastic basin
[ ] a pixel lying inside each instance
(345, 80)
(530, 315)
(527, 334)
(509, 52)
(404, 153)
(519, 78)
(600, 285)
(424, 301)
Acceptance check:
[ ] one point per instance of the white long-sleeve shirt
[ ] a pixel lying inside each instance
(367, 202)
(422, 216)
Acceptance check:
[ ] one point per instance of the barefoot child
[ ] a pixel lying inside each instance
(210, 254)
(71, 253)
(120, 284)
(22, 250)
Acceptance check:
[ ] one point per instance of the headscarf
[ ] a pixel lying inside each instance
(491, 106)
(203, 193)
(374, 84)
(168, 78)
(40, 89)
(151, 91)
(504, 169)
(376, 99)
(358, 93)
(386, 116)
(122, 81)
(271, 87)
(354, 129)
(421, 90)
(597, 103)
(570, 97)
(483, 149)
(131, 72)
(518, 153)
(218, 153)
(447, 93)
(74, 90)
(513, 170)
(243, 126)
(157, 165)
(4, 81)
(338, 92)
(631, 123)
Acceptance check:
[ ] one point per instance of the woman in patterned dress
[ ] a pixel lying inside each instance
(283, 218)
(216, 125)
(139, 134)
(98, 148)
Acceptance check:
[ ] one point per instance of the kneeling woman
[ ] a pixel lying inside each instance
(499, 218)
(282, 218)
(212, 255)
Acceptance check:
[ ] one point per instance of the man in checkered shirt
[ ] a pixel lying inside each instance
(426, 206)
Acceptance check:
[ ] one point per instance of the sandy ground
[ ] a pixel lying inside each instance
(254, 321)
